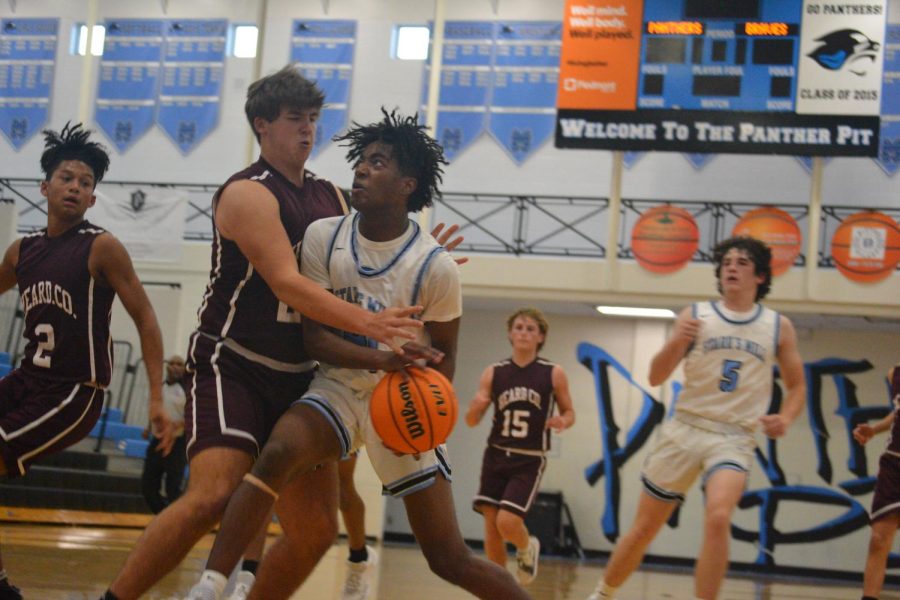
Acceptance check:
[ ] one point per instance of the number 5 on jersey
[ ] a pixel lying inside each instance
(730, 375)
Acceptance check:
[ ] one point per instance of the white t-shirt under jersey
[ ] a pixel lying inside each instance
(412, 269)
(728, 369)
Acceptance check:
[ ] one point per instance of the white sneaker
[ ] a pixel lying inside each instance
(243, 583)
(202, 592)
(209, 587)
(527, 561)
(359, 577)
(597, 595)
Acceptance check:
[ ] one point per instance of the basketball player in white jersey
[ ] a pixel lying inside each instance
(376, 257)
(729, 347)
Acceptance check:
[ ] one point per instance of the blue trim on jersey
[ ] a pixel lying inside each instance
(421, 274)
(331, 243)
(777, 333)
(369, 271)
(693, 341)
(755, 316)
(320, 404)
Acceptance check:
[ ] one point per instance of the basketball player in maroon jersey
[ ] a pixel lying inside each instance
(68, 275)
(885, 514)
(523, 390)
(246, 360)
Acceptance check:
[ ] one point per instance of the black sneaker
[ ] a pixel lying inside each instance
(9, 592)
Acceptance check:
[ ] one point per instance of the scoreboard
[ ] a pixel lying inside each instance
(712, 58)
(752, 76)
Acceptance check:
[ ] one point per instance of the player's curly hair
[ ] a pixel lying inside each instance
(758, 252)
(418, 154)
(534, 314)
(71, 143)
(286, 88)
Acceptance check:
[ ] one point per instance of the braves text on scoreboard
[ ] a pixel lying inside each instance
(797, 77)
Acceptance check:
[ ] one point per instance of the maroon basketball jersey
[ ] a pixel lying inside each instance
(523, 401)
(238, 304)
(894, 441)
(66, 311)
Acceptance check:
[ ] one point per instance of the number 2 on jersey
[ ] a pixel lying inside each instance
(515, 423)
(45, 346)
(730, 375)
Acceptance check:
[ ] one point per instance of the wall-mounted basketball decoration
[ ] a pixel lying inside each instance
(776, 229)
(866, 246)
(664, 238)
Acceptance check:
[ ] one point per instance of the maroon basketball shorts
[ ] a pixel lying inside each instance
(509, 481)
(39, 416)
(234, 402)
(886, 499)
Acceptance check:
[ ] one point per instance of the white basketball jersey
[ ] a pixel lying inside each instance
(728, 370)
(412, 269)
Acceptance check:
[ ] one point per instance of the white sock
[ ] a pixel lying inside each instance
(214, 580)
(606, 590)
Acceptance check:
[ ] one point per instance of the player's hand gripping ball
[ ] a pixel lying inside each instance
(413, 410)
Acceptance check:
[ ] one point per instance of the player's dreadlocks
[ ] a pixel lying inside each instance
(417, 154)
(72, 144)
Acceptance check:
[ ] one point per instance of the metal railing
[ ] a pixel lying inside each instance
(539, 225)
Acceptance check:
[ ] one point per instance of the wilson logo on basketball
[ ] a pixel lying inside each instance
(413, 410)
(409, 413)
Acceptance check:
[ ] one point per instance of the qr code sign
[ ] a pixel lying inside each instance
(868, 242)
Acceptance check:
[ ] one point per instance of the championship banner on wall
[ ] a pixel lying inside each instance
(324, 51)
(191, 88)
(148, 221)
(465, 84)
(889, 154)
(499, 76)
(522, 113)
(27, 61)
(797, 77)
(129, 71)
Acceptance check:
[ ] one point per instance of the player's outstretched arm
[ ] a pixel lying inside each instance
(8, 266)
(675, 348)
(247, 213)
(566, 416)
(109, 262)
(482, 400)
(791, 366)
(326, 346)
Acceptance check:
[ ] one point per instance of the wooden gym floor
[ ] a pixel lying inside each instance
(65, 562)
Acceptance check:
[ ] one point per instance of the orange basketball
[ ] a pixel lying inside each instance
(413, 410)
(664, 239)
(776, 229)
(866, 246)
